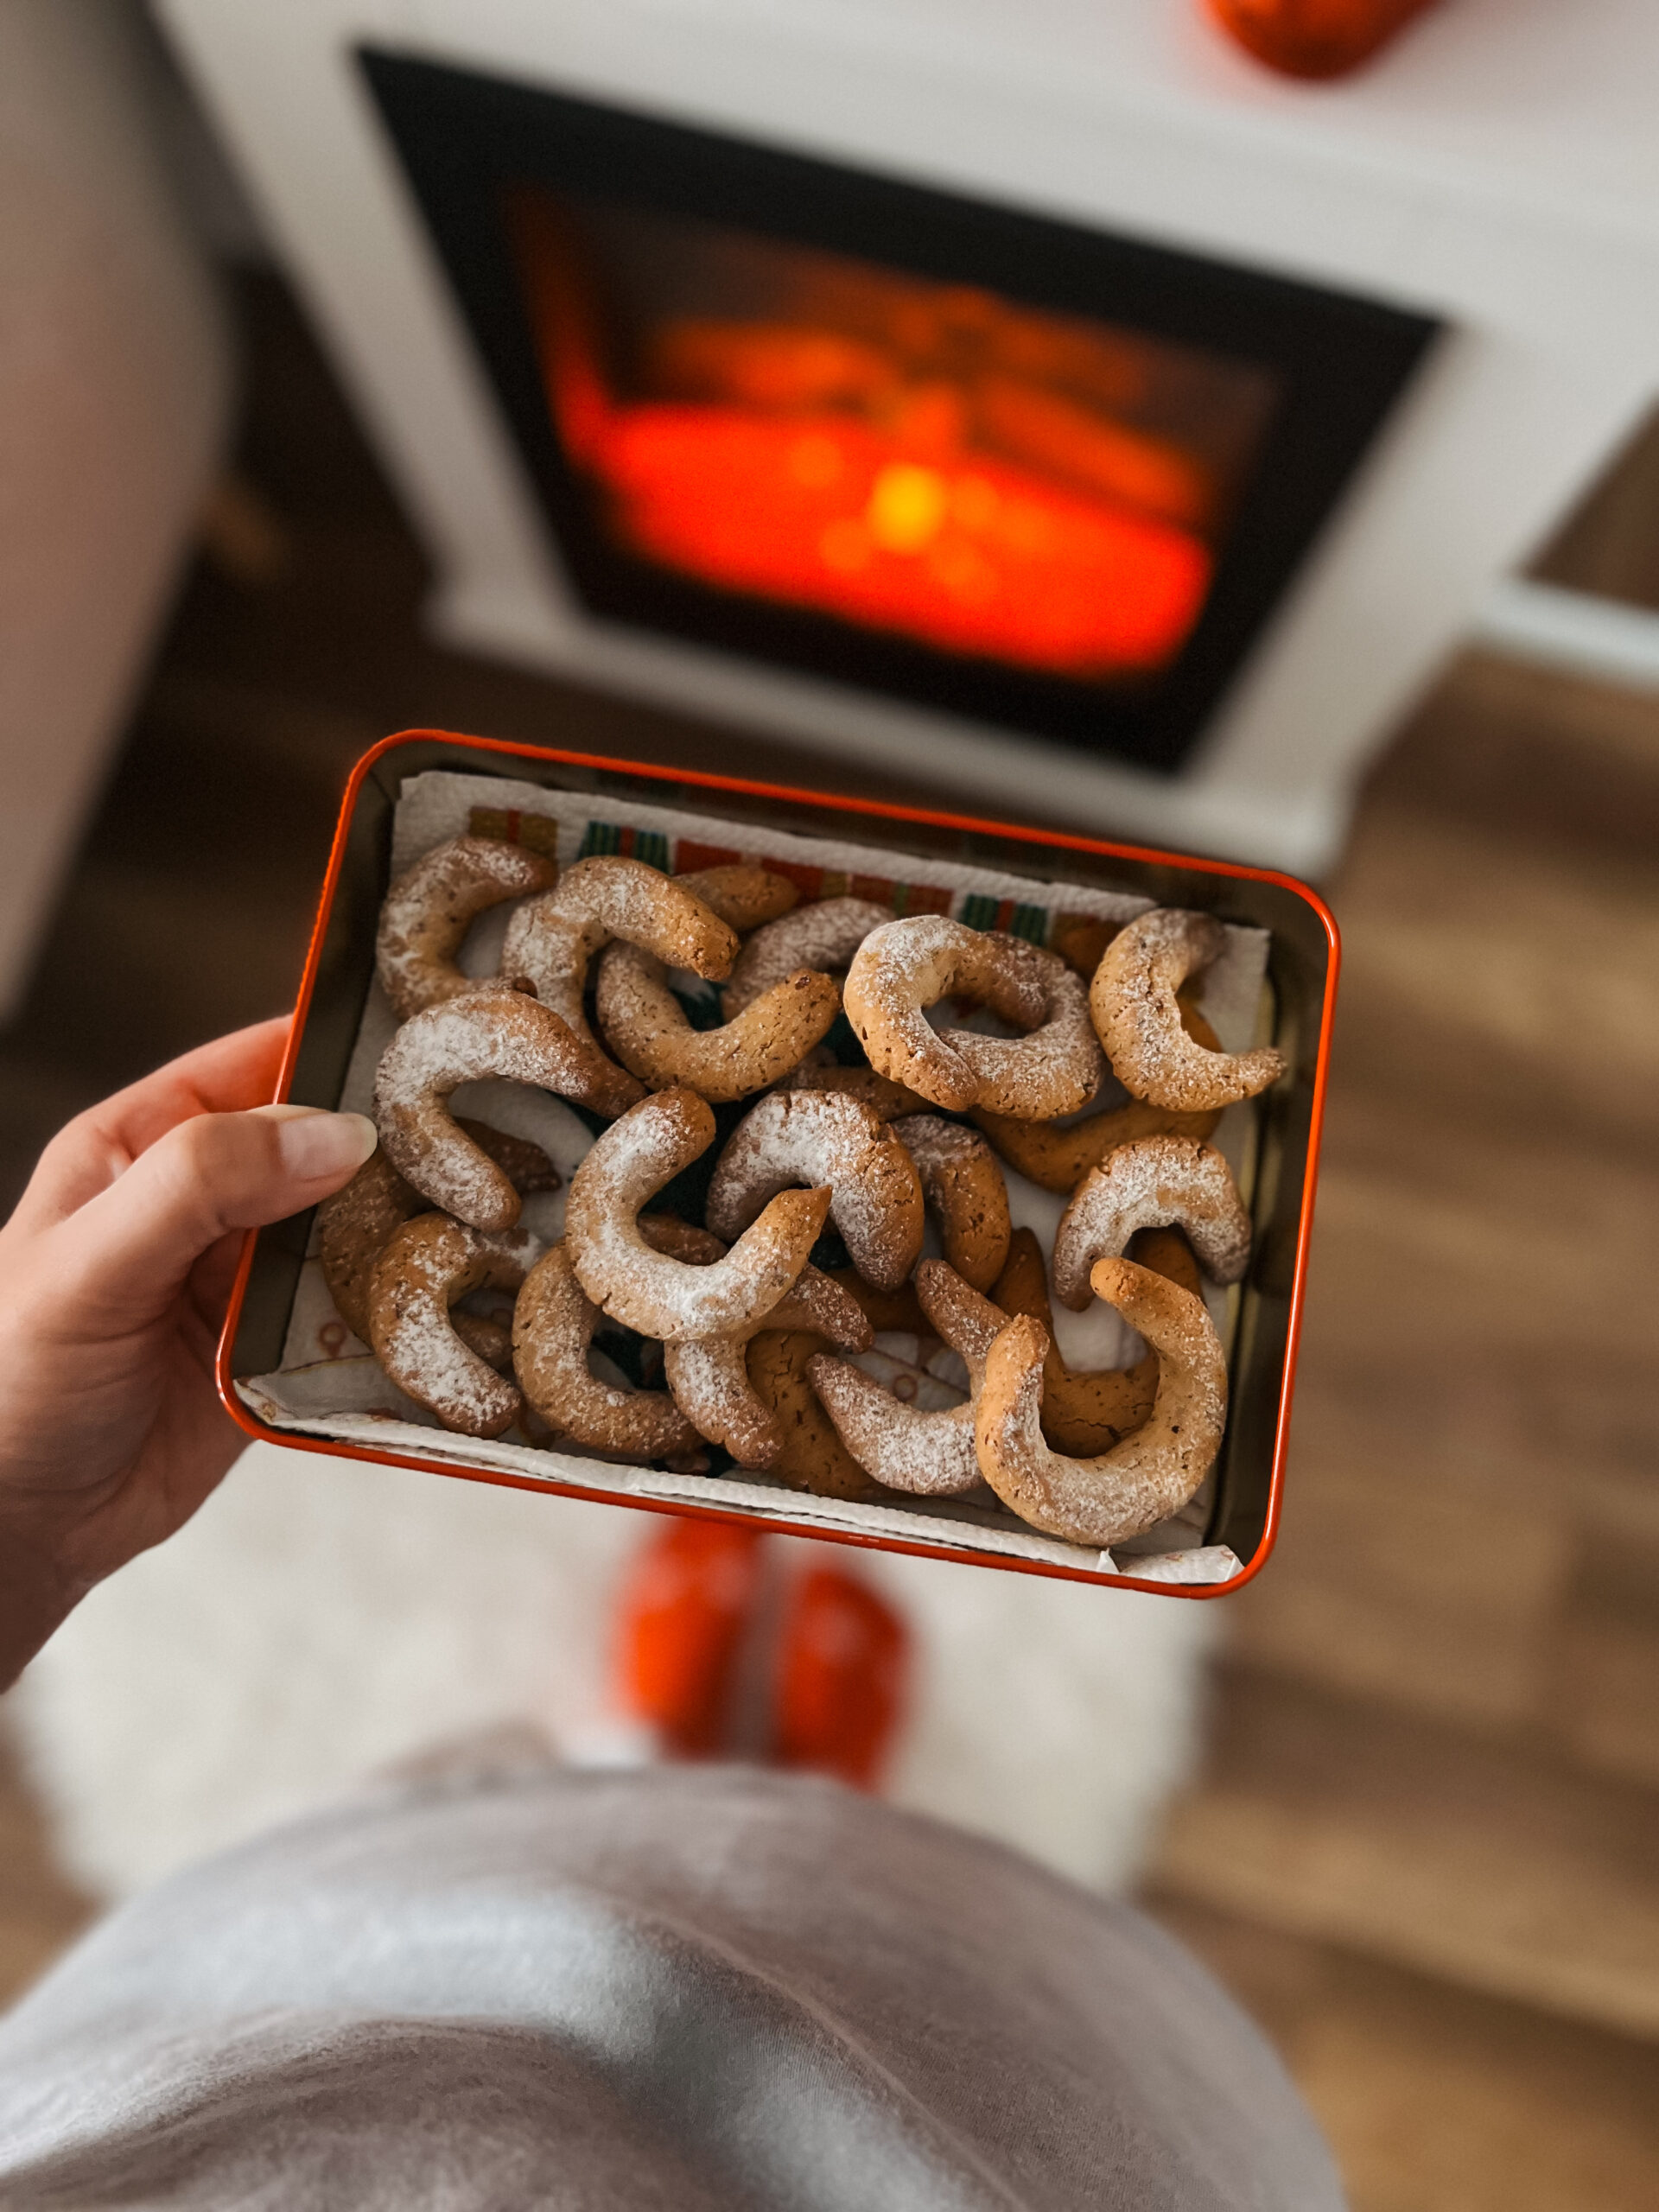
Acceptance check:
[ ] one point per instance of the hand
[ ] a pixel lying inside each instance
(115, 1272)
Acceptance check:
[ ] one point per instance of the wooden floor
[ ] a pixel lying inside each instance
(1425, 1849)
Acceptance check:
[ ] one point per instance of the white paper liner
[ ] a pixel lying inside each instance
(329, 1386)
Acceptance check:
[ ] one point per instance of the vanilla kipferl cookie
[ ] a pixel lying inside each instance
(822, 1138)
(1151, 1184)
(743, 895)
(905, 967)
(1140, 1481)
(550, 940)
(886, 1100)
(1132, 1002)
(823, 937)
(491, 1032)
(353, 1225)
(962, 1186)
(430, 907)
(929, 1453)
(1086, 1410)
(650, 1291)
(709, 1378)
(810, 1456)
(647, 1028)
(1057, 1158)
(553, 1324)
(426, 1265)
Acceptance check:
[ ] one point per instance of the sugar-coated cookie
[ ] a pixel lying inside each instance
(649, 1031)
(425, 1266)
(824, 1138)
(823, 937)
(1132, 1001)
(963, 1189)
(430, 907)
(1152, 1184)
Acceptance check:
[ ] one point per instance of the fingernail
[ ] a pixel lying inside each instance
(314, 1143)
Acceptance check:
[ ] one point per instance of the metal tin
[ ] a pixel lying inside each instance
(1302, 974)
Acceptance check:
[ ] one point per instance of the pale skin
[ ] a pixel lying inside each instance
(115, 1272)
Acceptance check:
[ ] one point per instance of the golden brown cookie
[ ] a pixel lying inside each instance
(430, 907)
(490, 1031)
(550, 940)
(906, 966)
(886, 1100)
(1140, 1481)
(811, 1456)
(1152, 1184)
(822, 1138)
(426, 1265)
(653, 1291)
(353, 1225)
(927, 1453)
(553, 1326)
(743, 895)
(1133, 1003)
(963, 1188)
(647, 1028)
(709, 1375)
(1058, 1158)
(822, 938)
(1088, 1410)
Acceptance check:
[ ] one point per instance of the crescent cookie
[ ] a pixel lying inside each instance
(824, 937)
(1149, 1475)
(963, 1186)
(553, 1324)
(743, 895)
(709, 1375)
(491, 1032)
(811, 1456)
(906, 966)
(653, 1291)
(426, 1266)
(886, 1100)
(648, 1029)
(1132, 1002)
(929, 1454)
(550, 940)
(1088, 1410)
(1151, 1184)
(430, 907)
(822, 1138)
(353, 1225)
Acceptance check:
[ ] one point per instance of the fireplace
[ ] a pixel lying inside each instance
(1033, 475)
(955, 308)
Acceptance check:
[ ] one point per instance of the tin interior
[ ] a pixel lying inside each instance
(1298, 969)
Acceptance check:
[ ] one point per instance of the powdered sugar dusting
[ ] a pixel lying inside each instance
(1153, 1183)
(824, 937)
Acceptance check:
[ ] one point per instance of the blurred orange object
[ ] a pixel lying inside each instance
(1314, 38)
(684, 1612)
(842, 1662)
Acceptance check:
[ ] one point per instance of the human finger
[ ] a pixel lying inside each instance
(122, 1258)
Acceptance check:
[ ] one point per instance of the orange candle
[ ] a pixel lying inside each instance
(1314, 38)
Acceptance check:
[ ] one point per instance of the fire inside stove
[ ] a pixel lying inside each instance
(927, 459)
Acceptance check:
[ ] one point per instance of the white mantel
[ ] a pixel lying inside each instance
(1498, 167)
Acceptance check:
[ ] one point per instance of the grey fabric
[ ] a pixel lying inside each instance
(697, 1988)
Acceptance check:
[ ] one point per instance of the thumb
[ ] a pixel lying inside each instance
(130, 1248)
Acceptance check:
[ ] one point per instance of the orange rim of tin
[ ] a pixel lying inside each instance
(889, 811)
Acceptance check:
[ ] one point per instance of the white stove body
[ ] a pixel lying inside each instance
(1498, 169)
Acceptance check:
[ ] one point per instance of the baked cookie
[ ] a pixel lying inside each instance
(431, 906)
(906, 966)
(1147, 1475)
(1132, 1001)
(810, 1456)
(1087, 1410)
(550, 940)
(709, 1375)
(491, 1032)
(553, 1324)
(743, 895)
(353, 1225)
(650, 1291)
(1152, 1184)
(426, 1265)
(963, 1188)
(822, 938)
(925, 1453)
(648, 1029)
(823, 1138)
